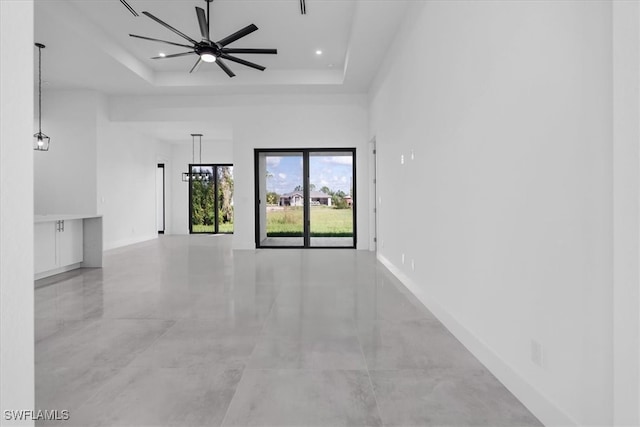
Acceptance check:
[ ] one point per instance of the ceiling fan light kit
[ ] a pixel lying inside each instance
(206, 49)
(41, 141)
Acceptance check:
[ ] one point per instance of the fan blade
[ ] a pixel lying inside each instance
(224, 67)
(128, 6)
(242, 50)
(169, 27)
(196, 66)
(202, 20)
(161, 41)
(175, 55)
(242, 61)
(238, 35)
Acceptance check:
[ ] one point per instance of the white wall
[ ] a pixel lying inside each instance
(163, 150)
(127, 163)
(181, 157)
(626, 212)
(339, 124)
(65, 177)
(258, 121)
(507, 109)
(16, 209)
(98, 166)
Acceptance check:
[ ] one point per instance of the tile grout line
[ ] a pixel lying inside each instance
(373, 390)
(118, 369)
(244, 369)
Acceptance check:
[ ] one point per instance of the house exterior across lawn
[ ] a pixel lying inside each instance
(296, 198)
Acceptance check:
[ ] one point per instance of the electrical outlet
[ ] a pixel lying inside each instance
(413, 265)
(413, 156)
(402, 159)
(537, 353)
(403, 259)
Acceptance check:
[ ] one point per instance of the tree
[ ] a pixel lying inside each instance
(225, 195)
(338, 200)
(326, 190)
(300, 188)
(202, 202)
(272, 198)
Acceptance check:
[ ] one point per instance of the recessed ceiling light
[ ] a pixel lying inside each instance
(162, 54)
(318, 52)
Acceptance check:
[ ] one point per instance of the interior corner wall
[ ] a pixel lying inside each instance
(504, 199)
(65, 176)
(626, 212)
(16, 210)
(97, 166)
(127, 162)
(181, 156)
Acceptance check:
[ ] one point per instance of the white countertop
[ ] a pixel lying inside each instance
(61, 217)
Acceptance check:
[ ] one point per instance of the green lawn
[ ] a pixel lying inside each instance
(222, 228)
(325, 222)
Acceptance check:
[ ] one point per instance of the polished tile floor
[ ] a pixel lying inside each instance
(183, 331)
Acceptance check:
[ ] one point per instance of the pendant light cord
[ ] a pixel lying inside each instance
(39, 89)
(208, 20)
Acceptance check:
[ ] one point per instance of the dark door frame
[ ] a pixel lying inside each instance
(214, 166)
(305, 173)
(164, 201)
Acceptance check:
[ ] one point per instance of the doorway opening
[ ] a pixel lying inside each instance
(160, 195)
(211, 209)
(305, 198)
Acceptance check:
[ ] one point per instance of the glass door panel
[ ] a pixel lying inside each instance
(330, 199)
(280, 185)
(224, 201)
(202, 202)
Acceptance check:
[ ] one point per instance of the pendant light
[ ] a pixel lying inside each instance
(200, 175)
(41, 141)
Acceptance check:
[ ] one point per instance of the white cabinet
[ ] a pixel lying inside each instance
(70, 242)
(45, 236)
(58, 244)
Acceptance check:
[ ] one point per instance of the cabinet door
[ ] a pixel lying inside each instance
(44, 239)
(70, 243)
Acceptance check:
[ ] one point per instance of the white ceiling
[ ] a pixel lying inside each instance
(88, 45)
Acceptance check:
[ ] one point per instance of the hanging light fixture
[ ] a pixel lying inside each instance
(199, 175)
(41, 141)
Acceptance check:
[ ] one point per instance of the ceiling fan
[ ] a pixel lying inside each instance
(208, 50)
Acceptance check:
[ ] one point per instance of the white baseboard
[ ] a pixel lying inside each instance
(547, 412)
(130, 241)
(55, 271)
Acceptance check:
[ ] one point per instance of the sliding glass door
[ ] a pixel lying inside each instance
(210, 199)
(330, 199)
(280, 199)
(305, 198)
